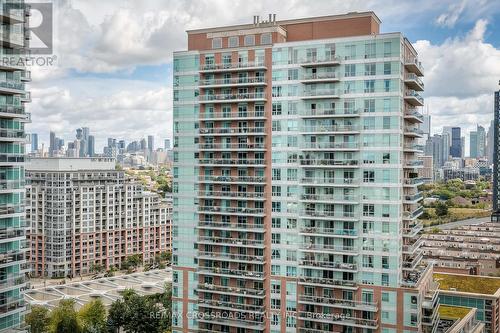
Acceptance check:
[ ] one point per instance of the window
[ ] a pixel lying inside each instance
(385, 227)
(217, 43)
(233, 41)
(387, 68)
(385, 297)
(387, 49)
(370, 69)
(385, 262)
(249, 40)
(368, 210)
(369, 176)
(350, 70)
(369, 86)
(385, 279)
(369, 105)
(266, 39)
(387, 85)
(370, 50)
(386, 122)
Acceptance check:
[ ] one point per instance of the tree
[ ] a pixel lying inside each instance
(64, 318)
(37, 319)
(116, 316)
(441, 209)
(93, 317)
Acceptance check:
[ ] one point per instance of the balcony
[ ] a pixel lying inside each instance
(324, 77)
(412, 230)
(251, 325)
(233, 82)
(223, 256)
(10, 87)
(231, 306)
(414, 65)
(225, 162)
(12, 62)
(26, 97)
(320, 162)
(341, 199)
(232, 179)
(321, 94)
(11, 38)
(9, 158)
(329, 248)
(413, 132)
(11, 15)
(329, 129)
(412, 262)
(233, 67)
(411, 215)
(12, 111)
(230, 194)
(329, 265)
(232, 146)
(240, 274)
(413, 163)
(338, 303)
(413, 98)
(413, 148)
(233, 131)
(259, 114)
(11, 184)
(414, 82)
(321, 231)
(338, 319)
(340, 146)
(414, 116)
(26, 76)
(315, 61)
(233, 98)
(323, 213)
(411, 249)
(12, 135)
(325, 181)
(230, 241)
(413, 182)
(414, 198)
(329, 113)
(230, 210)
(311, 280)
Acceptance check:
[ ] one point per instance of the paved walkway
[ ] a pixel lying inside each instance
(461, 223)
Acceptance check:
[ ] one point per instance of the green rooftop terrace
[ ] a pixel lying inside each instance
(453, 312)
(468, 283)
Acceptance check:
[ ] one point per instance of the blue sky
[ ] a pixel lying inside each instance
(114, 69)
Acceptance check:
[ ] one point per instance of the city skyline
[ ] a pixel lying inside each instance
(128, 90)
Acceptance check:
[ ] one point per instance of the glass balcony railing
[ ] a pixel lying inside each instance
(330, 145)
(321, 92)
(231, 290)
(319, 60)
(320, 76)
(327, 180)
(327, 197)
(12, 109)
(330, 247)
(339, 319)
(328, 162)
(222, 146)
(235, 115)
(330, 112)
(233, 130)
(232, 194)
(13, 85)
(332, 301)
(413, 94)
(211, 255)
(230, 241)
(330, 128)
(235, 65)
(231, 226)
(234, 210)
(234, 97)
(233, 179)
(231, 305)
(329, 264)
(327, 282)
(233, 272)
(12, 134)
(12, 158)
(216, 161)
(233, 81)
(327, 213)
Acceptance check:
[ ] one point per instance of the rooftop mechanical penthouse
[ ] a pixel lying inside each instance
(295, 180)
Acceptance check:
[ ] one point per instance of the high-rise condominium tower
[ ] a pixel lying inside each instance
(13, 96)
(295, 179)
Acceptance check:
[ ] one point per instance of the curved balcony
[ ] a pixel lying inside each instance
(413, 230)
(347, 129)
(233, 82)
(323, 213)
(248, 292)
(413, 163)
(223, 256)
(232, 179)
(414, 214)
(230, 115)
(10, 87)
(13, 135)
(12, 111)
(233, 131)
(413, 198)
(329, 113)
(252, 325)
(411, 182)
(230, 306)
(321, 94)
(233, 67)
(322, 77)
(8, 185)
(11, 158)
(414, 116)
(413, 148)
(413, 132)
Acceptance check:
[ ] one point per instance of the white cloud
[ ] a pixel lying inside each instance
(449, 18)
(461, 67)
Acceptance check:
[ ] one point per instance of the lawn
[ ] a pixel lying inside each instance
(454, 214)
(468, 283)
(453, 312)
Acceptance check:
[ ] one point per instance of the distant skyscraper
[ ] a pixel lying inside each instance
(121, 144)
(456, 142)
(426, 126)
(52, 143)
(496, 159)
(91, 146)
(34, 142)
(167, 144)
(79, 133)
(490, 142)
(143, 144)
(477, 142)
(151, 143)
